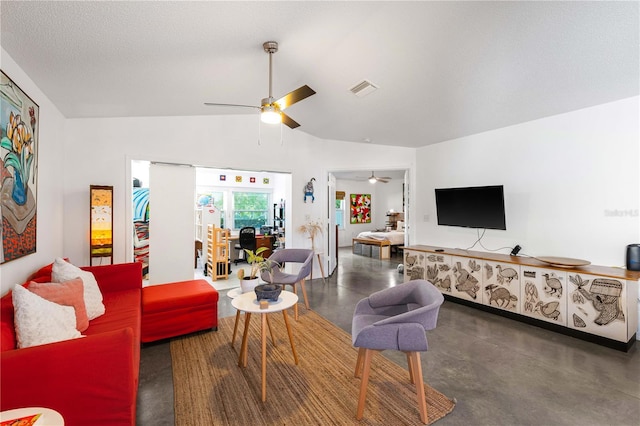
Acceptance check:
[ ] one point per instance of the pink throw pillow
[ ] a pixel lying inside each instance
(68, 293)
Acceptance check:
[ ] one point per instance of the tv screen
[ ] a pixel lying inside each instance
(472, 207)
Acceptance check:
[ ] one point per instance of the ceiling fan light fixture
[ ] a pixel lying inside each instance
(271, 114)
(372, 179)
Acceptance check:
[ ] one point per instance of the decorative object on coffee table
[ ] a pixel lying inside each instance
(268, 292)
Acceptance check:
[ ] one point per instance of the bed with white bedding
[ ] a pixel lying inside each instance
(395, 238)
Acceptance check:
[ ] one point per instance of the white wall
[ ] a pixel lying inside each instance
(49, 231)
(213, 141)
(565, 177)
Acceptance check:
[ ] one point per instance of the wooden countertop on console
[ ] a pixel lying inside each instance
(620, 273)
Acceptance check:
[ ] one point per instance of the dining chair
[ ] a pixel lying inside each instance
(276, 275)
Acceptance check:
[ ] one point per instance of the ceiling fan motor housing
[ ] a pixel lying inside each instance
(270, 46)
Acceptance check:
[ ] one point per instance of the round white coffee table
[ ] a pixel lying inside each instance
(248, 304)
(232, 294)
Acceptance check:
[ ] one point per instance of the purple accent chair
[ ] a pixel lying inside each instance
(396, 318)
(276, 276)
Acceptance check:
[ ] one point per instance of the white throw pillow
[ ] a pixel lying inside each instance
(39, 321)
(64, 271)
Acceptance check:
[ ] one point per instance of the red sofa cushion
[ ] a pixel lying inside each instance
(173, 296)
(175, 309)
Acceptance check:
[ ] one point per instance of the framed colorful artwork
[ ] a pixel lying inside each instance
(19, 121)
(101, 222)
(360, 208)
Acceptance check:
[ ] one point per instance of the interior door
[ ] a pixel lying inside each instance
(171, 222)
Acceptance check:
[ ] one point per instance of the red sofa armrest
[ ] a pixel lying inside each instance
(89, 380)
(118, 277)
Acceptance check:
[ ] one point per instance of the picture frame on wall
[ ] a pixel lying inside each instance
(360, 208)
(19, 123)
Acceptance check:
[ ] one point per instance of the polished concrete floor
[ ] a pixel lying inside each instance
(500, 371)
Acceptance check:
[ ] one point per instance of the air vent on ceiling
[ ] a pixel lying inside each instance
(363, 88)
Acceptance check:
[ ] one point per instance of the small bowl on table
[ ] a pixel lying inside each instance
(268, 292)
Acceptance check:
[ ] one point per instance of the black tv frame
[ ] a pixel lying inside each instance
(480, 207)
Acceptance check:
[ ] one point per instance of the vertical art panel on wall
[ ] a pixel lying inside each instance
(360, 208)
(19, 170)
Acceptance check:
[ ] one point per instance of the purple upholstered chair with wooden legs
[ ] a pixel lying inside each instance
(276, 276)
(396, 318)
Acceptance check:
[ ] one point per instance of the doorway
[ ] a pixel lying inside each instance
(227, 185)
(387, 196)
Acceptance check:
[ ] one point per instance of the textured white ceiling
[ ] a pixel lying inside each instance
(445, 69)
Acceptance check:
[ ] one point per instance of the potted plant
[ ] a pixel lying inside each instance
(258, 264)
(311, 228)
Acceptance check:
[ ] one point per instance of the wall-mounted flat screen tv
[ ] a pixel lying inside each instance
(471, 207)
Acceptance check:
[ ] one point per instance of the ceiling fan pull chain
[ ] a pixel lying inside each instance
(259, 130)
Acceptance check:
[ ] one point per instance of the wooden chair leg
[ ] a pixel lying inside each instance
(359, 363)
(365, 381)
(304, 294)
(412, 378)
(419, 381)
(295, 307)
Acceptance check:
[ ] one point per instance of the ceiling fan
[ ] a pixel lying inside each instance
(374, 179)
(271, 109)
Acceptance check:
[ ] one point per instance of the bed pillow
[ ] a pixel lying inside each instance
(39, 321)
(64, 271)
(68, 293)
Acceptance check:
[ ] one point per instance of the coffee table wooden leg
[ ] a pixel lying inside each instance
(242, 360)
(235, 328)
(273, 338)
(293, 347)
(264, 357)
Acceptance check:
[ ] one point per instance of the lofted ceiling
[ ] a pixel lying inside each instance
(444, 69)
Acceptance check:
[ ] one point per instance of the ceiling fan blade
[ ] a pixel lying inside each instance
(384, 177)
(382, 180)
(289, 121)
(296, 96)
(231, 105)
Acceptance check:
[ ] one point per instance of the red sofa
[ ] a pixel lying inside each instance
(91, 380)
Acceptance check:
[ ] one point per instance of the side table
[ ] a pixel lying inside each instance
(248, 304)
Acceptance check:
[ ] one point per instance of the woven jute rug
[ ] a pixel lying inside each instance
(210, 388)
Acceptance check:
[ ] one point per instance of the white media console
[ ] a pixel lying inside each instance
(594, 303)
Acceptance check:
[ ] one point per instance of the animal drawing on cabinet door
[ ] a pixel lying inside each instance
(553, 286)
(501, 297)
(604, 297)
(501, 285)
(506, 274)
(542, 293)
(466, 282)
(437, 272)
(414, 265)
